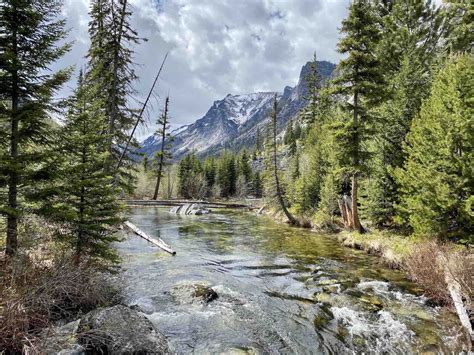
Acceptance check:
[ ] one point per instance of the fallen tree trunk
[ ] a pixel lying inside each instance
(157, 242)
(455, 292)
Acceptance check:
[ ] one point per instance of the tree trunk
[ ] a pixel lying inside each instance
(281, 201)
(355, 215)
(12, 214)
(163, 150)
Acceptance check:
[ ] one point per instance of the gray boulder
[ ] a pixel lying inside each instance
(119, 330)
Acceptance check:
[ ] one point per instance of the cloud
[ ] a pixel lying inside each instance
(218, 47)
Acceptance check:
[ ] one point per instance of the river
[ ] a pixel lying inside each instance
(281, 290)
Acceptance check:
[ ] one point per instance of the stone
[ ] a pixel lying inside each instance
(120, 329)
(188, 293)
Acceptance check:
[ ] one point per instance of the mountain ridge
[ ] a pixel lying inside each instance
(232, 122)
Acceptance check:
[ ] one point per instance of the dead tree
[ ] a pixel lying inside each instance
(164, 152)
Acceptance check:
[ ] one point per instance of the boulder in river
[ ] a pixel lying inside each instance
(187, 293)
(189, 209)
(119, 330)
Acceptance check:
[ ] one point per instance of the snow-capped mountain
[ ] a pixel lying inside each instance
(232, 122)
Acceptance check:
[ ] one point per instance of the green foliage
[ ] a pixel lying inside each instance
(459, 25)
(227, 174)
(86, 203)
(189, 170)
(290, 139)
(436, 180)
(111, 77)
(257, 185)
(29, 46)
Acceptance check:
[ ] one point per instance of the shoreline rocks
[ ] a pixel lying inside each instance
(112, 330)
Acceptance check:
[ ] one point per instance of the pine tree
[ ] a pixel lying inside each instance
(409, 46)
(274, 164)
(459, 25)
(257, 185)
(145, 163)
(436, 180)
(29, 46)
(314, 84)
(244, 167)
(360, 82)
(111, 74)
(210, 172)
(166, 140)
(258, 140)
(87, 203)
(290, 139)
(227, 174)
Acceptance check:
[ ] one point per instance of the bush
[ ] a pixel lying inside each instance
(35, 295)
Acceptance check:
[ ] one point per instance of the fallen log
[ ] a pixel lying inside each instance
(455, 292)
(157, 242)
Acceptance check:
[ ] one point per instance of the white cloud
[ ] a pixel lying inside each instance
(220, 47)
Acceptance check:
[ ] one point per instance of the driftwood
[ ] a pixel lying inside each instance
(455, 292)
(157, 242)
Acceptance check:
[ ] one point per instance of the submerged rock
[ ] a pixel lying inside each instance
(119, 330)
(186, 293)
(189, 209)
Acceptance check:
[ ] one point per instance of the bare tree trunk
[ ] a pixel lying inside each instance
(163, 150)
(281, 201)
(355, 222)
(355, 215)
(12, 217)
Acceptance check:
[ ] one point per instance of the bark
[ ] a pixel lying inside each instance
(354, 218)
(355, 215)
(157, 242)
(13, 179)
(281, 201)
(163, 150)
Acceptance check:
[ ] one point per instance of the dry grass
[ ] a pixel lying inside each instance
(35, 295)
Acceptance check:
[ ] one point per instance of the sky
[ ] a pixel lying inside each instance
(216, 47)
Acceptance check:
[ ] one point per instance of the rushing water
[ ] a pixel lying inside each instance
(281, 290)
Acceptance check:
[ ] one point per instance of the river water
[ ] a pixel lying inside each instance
(281, 290)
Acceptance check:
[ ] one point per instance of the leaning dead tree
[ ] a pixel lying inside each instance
(139, 119)
(279, 192)
(165, 152)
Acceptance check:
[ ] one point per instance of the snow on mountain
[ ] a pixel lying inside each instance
(232, 122)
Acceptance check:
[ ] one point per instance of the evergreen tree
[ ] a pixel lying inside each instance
(227, 174)
(111, 74)
(244, 167)
(257, 185)
(360, 82)
(165, 152)
(87, 203)
(297, 132)
(190, 177)
(145, 163)
(290, 140)
(29, 46)
(314, 84)
(437, 178)
(459, 25)
(210, 172)
(258, 140)
(409, 46)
